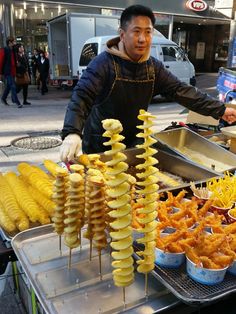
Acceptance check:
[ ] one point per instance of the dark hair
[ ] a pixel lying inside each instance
(43, 52)
(133, 11)
(17, 46)
(10, 39)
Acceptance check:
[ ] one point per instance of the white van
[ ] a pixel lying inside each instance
(165, 50)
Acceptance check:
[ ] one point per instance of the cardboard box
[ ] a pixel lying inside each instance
(61, 70)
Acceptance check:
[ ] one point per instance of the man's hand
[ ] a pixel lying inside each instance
(229, 115)
(70, 147)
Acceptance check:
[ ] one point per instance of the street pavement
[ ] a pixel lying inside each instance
(44, 117)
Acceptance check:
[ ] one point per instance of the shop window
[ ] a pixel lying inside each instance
(221, 52)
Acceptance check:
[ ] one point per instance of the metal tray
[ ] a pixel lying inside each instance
(190, 291)
(60, 291)
(220, 137)
(172, 164)
(175, 140)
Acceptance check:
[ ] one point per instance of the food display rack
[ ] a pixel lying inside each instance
(62, 290)
(172, 141)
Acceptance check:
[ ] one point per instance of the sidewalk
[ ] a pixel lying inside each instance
(44, 116)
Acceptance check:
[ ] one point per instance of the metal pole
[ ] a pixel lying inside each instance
(171, 25)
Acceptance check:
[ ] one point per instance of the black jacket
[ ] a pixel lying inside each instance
(96, 83)
(22, 64)
(43, 68)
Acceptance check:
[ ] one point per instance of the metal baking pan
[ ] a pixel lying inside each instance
(64, 291)
(172, 164)
(219, 139)
(183, 141)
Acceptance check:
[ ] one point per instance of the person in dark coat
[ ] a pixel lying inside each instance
(22, 68)
(8, 71)
(122, 80)
(34, 64)
(43, 67)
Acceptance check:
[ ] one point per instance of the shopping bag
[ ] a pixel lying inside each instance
(22, 79)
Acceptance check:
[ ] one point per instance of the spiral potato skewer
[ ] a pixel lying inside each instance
(149, 187)
(59, 197)
(80, 170)
(119, 201)
(74, 212)
(97, 210)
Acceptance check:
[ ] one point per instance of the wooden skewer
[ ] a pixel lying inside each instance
(60, 245)
(80, 237)
(146, 286)
(124, 299)
(90, 248)
(100, 264)
(69, 260)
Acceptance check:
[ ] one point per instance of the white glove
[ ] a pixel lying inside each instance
(70, 147)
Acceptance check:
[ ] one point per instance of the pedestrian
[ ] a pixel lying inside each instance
(43, 67)
(122, 80)
(8, 70)
(22, 72)
(34, 66)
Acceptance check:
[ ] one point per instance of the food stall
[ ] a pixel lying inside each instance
(66, 278)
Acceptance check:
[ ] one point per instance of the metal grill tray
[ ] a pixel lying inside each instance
(190, 291)
(64, 291)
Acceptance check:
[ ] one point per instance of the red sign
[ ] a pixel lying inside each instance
(196, 5)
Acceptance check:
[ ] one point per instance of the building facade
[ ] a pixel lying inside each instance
(202, 28)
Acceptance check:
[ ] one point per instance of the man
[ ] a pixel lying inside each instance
(8, 70)
(122, 80)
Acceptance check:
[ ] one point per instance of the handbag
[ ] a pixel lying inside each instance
(22, 79)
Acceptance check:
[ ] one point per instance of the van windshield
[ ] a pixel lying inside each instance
(89, 52)
(172, 53)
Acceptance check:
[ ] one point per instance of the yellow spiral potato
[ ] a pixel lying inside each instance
(42, 200)
(74, 212)
(10, 204)
(5, 221)
(118, 200)
(149, 187)
(59, 197)
(37, 178)
(51, 167)
(24, 199)
(97, 211)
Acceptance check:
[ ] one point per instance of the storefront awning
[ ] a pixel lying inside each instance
(173, 7)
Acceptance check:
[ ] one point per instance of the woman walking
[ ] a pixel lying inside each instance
(22, 73)
(43, 67)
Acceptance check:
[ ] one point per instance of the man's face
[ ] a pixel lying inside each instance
(137, 37)
(12, 43)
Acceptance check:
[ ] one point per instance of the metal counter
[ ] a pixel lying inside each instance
(79, 289)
